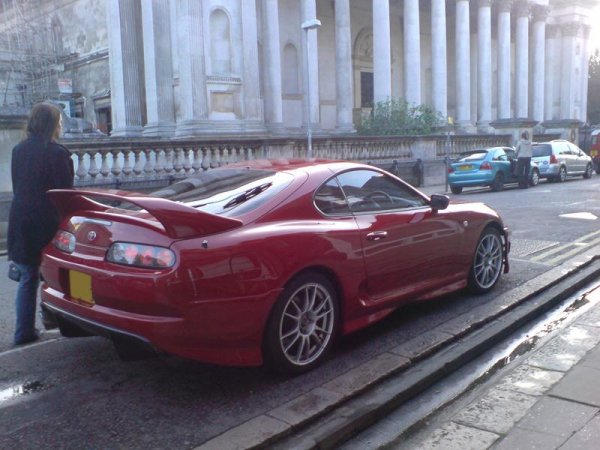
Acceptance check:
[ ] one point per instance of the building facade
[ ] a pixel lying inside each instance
(185, 68)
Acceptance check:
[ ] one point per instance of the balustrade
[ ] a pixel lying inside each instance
(119, 162)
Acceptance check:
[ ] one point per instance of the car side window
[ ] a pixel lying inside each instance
(330, 199)
(500, 156)
(372, 191)
(510, 154)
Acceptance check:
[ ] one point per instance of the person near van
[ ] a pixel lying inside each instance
(524, 153)
(38, 164)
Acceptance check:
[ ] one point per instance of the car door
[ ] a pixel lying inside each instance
(579, 160)
(408, 248)
(501, 161)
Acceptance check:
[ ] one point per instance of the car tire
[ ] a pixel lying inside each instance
(588, 171)
(498, 183)
(456, 189)
(562, 174)
(488, 262)
(302, 325)
(534, 179)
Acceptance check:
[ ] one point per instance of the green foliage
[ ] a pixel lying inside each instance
(593, 111)
(398, 117)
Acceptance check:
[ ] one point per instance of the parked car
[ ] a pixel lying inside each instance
(595, 149)
(560, 159)
(493, 167)
(260, 261)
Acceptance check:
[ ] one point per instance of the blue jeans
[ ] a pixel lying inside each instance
(26, 302)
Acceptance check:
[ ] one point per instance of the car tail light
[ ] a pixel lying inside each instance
(450, 169)
(553, 159)
(64, 241)
(139, 255)
(485, 166)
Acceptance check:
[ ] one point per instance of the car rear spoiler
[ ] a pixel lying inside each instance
(179, 221)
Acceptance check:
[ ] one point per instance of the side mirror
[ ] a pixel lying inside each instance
(439, 201)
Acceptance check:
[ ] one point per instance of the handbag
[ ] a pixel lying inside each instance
(13, 272)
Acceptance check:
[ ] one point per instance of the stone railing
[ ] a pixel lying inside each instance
(143, 162)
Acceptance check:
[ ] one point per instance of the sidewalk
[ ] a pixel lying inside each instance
(549, 400)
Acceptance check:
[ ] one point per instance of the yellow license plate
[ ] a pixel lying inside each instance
(466, 167)
(80, 285)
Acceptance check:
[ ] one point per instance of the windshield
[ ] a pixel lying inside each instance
(227, 191)
(541, 150)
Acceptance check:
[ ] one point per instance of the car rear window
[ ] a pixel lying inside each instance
(473, 156)
(541, 150)
(227, 192)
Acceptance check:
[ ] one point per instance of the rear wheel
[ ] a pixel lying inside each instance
(302, 326)
(588, 171)
(487, 262)
(562, 175)
(534, 179)
(456, 189)
(498, 183)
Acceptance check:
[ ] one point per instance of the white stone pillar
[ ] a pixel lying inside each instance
(192, 70)
(522, 60)
(412, 52)
(382, 61)
(484, 64)
(570, 64)
(125, 65)
(309, 12)
(504, 64)
(272, 66)
(253, 110)
(463, 64)
(540, 13)
(552, 69)
(160, 103)
(439, 68)
(343, 67)
(585, 57)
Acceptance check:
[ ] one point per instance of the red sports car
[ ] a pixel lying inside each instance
(263, 261)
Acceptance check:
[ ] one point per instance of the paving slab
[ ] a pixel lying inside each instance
(497, 411)
(519, 439)
(579, 385)
(455, 436)
(586, 438)
(529, 380)
(557, 417)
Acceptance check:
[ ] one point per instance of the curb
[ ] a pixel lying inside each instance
(330, 414)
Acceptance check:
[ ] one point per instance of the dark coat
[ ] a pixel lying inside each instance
(33, 221)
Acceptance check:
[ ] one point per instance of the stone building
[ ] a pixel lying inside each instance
(184, 68)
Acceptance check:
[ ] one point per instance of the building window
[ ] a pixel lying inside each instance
(290, 70)
(220, 43)
(366, 89)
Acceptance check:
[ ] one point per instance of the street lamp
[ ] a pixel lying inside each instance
(312, 24)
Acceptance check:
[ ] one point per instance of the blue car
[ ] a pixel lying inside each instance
(493, 167)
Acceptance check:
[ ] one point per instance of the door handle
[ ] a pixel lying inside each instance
(376, 235)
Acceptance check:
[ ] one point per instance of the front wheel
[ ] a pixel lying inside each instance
(302, 325)
(487, 262)
(588, 171)
(456, 189)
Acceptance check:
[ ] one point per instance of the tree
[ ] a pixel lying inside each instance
(398, 117)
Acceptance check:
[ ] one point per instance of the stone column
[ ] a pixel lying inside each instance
(343, 67)
(272, 66)
(412, 52)
(504, 59)
(585, 58)
(522, 60)
(126, 67)
(484, 65)
(570, 65)
(192, 70)
(382, 61)
(160, 103)
(439, 68)
(552, 70)
(540, 13)
(463, 64)
(309, 12)
(253, 110)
